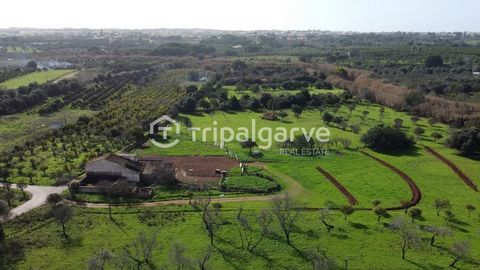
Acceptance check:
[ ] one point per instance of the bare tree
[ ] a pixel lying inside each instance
(139, 253)
(99, 260)
(286, 213)
(177, 256)
(202, 261)
(325, 216)
(438, 232)
(247, 233)
(320, 261)
(408, 233)
(208, 218)
(460, 250)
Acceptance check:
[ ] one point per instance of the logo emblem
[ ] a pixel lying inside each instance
(164, 124)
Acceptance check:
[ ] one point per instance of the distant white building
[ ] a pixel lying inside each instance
(476, 73)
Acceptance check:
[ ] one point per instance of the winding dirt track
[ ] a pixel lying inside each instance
(416, 194)
(454, 168)
(351, 199)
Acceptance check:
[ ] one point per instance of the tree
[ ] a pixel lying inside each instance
(414, 119)
(355, 129)
(99, 260)
(139, 253)
(408, 234)
(347, 210)
(247, 235)
(62, 214)
(415, 213)
(31, 65)
(382, 113)
(248, 144)
(4, 213)
(397, 123)
(434, 61)
(54, 198)
(460, 250)
(470, 208)
(441, 205)
(202, 261)
(177, 256)
(282, 115)
(432, 122)
(9, 196)
(466, 140)
(297, 110)
(383, 138)
(205, 105)
(286, 213)
(351, 108)
(327, 118)
(380, 212)
(436, 136)
(364, 115)
(208, 218)
(418, 131)
(325, 216)
(22, 185)
(4, 174)
(438, 232)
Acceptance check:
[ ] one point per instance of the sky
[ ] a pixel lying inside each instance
(344, 15)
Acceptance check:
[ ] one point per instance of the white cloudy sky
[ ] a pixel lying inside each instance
(357, 15)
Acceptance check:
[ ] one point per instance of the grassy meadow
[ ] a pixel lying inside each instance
(39, 77)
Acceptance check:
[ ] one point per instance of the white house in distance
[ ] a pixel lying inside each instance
(476, 73)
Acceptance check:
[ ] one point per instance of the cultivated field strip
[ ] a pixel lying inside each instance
(416, 193)
(454, 168)
(351, 199)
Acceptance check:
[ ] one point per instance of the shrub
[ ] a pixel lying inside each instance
(386, 139)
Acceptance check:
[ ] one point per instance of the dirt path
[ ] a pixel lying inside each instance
(454, 168)
(39, 197)
(416, 194)
(351, 199)
(294, 189)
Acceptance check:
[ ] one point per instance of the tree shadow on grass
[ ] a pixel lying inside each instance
(411, 152)
(71, 242)
(340, 236)
(468, 260)
(358, 226)
(421, 266)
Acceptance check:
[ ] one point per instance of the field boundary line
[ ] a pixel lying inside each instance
(454, 168)
(351, 199)
(416, 193)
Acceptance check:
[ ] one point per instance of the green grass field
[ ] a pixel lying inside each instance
(39, 77)
(277, 92)
(364, 242)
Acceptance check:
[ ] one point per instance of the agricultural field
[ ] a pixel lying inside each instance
(393, 185)
(232, 91)
(18, 128)
(39, 77)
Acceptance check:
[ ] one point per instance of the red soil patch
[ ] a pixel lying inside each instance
(351, 199)
(416, 194)
(200, 170)
(454, 167)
